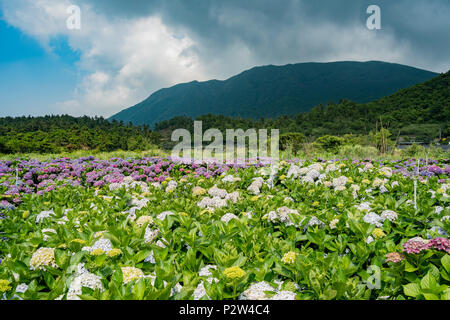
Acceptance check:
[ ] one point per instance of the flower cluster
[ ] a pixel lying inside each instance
(394, 257)
(131, 274)
(42, 258)
(234, 273)
(289, 258)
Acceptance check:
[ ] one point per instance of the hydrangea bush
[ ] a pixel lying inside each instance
(153, 228)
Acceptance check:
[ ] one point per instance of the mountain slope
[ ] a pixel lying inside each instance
(420, 112)
(271, 91)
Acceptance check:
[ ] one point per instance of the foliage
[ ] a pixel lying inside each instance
(52, 134)
(292, 141)
(342, 235)
(421, 113)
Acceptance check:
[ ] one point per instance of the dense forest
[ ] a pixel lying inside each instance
(420, 113)
(52, 134)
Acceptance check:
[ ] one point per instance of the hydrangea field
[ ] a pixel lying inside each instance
(152, 228)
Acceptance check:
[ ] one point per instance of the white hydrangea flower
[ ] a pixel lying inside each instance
(282, 214)
(164, 214)
(150, 258)
(377, 182)
(200, 292)
(369, 239)
(294, 171)
(228, 178)
(314, 221)
(341, 181)
(150, 235)
(44, 215)
(204, 272)
(364, 207)
(256, 291)
(83, 278)
(234, 196)
(217, 192)
(212, 203)
(160, 244)
(373, 218)
(312, 174)
(331, 167)
(103, 244)
(48, 230)
(171, 185)
(333, 223)
(386, 171)
(390, 215)
(227, 217)
(22, 288)
(176, 289)
(138, 203)
(284, 295)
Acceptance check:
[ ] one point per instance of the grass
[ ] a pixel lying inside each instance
(351, 152)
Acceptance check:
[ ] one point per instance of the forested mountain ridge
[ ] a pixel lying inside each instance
(273, 91)
(421, 112)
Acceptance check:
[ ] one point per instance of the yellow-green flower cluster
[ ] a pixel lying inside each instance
(289, 258)
(198, 191)
(97, 252)
(114, 253)
(131, 273)
(4, 286)
(378, 233)
(234, 273)
(80, 241)
(144, 220)
(42, 258)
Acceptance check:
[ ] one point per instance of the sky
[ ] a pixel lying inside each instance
(125, 50)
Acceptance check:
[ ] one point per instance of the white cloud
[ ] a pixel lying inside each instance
(124, 59)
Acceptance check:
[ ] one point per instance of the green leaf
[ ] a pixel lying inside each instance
(446, 262)
(428, 282)
(329, 294)
(61, 258)
(141, 255)
(430, 296)
(409, 267)
(412, 290)
(446, 294)
(49, 280)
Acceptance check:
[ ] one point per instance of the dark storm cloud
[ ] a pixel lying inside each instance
(293, 30)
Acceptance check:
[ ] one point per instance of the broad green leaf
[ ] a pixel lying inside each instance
(428, 282)
(446, 262)
(412, 290)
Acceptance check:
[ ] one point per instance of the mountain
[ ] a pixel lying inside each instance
(420, 113)
(272, 91)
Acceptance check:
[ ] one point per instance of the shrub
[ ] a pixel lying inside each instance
(292, 141)
(413, 150)
(329, 143)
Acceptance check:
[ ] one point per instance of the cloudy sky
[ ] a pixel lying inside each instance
(126, 50)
